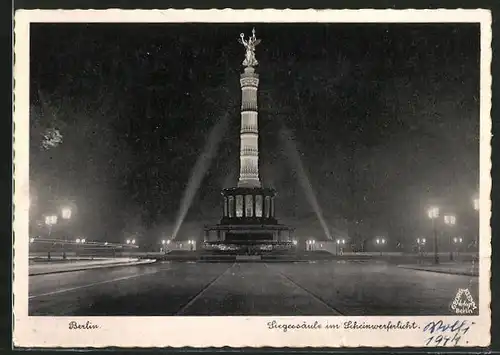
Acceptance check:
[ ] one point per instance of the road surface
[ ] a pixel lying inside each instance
(280, 289)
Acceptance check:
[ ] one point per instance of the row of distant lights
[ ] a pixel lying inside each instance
(163, 242)
(78, 240)
(312, 241)
(83, 240)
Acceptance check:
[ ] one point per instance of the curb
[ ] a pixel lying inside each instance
(460, 273)
(84, 269)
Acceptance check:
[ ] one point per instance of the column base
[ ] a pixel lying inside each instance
(249, 183)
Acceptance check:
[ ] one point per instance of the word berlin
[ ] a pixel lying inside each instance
(349, 325)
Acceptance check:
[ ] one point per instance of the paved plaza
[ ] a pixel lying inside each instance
(351, 288)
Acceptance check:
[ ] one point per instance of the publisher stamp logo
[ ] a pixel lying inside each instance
(463, 302)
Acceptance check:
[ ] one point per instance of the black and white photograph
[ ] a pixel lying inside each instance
(297, 172)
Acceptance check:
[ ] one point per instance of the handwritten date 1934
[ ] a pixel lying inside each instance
(446, 334)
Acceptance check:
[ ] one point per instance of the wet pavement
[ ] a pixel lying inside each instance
(286, 289)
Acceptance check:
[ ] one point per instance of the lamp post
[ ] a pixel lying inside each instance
(421, 247)
(433, 213)
(380, 243)
(450, 221)
(50, 221)
(78, 241)
(66, 213)
(458, 243)
(338, 248)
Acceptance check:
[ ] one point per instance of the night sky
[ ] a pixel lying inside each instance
(385, 119)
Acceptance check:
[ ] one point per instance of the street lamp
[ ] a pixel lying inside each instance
(433, 213)
(450, 220)
(50, 221)
(458, 243)
(339, 242)
(380, 242)
(66, 213)
(421, 246)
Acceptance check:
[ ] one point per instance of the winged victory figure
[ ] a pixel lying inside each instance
(250, 44)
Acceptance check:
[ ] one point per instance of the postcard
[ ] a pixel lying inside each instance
(251, 178)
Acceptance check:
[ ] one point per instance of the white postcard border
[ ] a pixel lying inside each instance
(230, 331)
